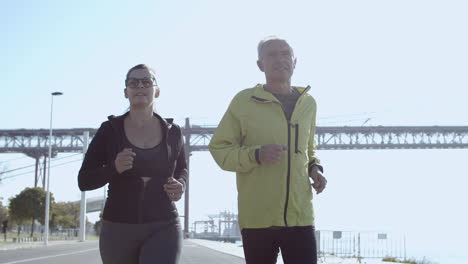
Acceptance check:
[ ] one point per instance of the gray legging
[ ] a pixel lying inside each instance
(158, 242)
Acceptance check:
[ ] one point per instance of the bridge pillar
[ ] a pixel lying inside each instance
(82, 235)
(188, 152)
(36, 154)
(36, 172)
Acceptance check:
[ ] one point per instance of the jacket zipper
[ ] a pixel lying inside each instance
(142, 193)
(288, 175)
(297, 139)
(141, 197)
(140, 204)
(289, 152)
(289, 160)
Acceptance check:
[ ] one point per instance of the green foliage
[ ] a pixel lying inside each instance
(28, 205)
(395, 260)
(3, 212)
(98, 225)
(66, 215)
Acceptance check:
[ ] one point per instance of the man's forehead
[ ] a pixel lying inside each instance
(276, 44)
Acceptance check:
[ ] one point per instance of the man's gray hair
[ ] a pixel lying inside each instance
(268, 39)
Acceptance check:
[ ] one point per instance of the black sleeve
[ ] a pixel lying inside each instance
(312, 165)
(181, 171)
(95, 171)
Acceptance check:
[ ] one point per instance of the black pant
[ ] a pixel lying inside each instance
(158, 242)
(297, 244)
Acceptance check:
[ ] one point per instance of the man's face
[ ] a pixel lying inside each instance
(277, 61)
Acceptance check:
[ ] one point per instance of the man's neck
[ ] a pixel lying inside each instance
(278, 87)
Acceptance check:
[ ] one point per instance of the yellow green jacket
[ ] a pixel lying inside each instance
(279, 194)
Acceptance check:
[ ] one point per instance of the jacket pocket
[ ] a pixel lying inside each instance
(296, 141)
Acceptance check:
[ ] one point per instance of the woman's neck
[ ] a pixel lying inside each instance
(140, 117)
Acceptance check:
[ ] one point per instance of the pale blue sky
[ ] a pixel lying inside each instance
(396, 62)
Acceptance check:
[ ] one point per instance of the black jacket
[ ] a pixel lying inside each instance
(128, 201)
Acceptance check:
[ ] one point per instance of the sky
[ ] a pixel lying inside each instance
(395, 62)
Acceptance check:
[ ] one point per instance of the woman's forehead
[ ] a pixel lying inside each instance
(140, 73)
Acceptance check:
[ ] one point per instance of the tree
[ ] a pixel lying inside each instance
(4, 219)
(3, 212)
(98, 225)
(66, 214)
(29, 205)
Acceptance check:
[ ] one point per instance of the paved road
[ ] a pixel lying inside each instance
(87, 252)
(196, 254)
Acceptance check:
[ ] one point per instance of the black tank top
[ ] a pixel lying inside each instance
(150, 162)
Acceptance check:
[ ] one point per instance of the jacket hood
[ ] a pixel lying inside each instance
(261, 93)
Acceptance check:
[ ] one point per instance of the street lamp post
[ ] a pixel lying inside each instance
(47, 206)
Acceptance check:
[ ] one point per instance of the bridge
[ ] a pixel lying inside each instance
(34, 142)
(94, 204)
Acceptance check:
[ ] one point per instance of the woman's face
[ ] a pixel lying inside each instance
(141, 88)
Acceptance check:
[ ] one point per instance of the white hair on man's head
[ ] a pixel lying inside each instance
(266, 40)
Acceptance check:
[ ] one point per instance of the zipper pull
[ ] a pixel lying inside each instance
(297, 139)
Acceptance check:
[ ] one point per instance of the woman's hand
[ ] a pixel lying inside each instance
(124, 160)
(174, 189)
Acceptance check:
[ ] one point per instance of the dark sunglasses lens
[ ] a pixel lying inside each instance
(147, 83)
(133, 83)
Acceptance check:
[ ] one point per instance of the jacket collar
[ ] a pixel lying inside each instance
(261, 95)
(117, 121)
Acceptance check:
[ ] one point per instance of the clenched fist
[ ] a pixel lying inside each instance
(270, 154)
(320, 182)
(124, 160)
(174, 189)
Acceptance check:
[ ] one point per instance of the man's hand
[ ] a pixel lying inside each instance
(319, 181)
(174, 189)
(270, 154)
(124, 160)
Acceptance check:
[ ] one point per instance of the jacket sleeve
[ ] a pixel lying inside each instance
(226, 145)
(95, 171)
(312, 146)
(181, 171)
